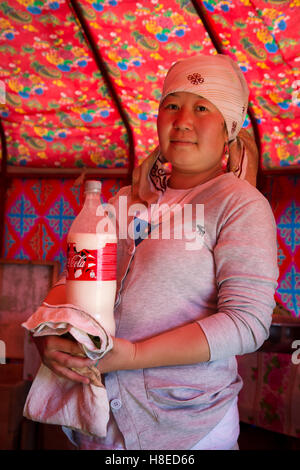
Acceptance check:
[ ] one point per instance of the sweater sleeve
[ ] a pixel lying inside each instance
(246, 273)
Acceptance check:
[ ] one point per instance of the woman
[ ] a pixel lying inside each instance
(183, 313)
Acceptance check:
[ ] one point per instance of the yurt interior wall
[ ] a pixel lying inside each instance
(79, 91)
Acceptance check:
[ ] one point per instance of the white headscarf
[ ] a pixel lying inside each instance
(216, 78)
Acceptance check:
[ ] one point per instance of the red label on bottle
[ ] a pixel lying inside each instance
(92, 265)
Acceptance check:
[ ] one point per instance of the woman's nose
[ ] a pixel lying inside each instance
(183, 120)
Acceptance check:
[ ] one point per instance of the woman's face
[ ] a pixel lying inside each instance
(191, 133)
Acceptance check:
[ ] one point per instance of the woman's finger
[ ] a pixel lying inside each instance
(92, 373)
(85, 375)
(62, 344)
(70, 374)
(69, 360)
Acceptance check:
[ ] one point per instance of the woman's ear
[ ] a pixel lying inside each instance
(243, 157)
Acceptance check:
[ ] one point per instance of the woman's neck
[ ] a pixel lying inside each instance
(180, 180)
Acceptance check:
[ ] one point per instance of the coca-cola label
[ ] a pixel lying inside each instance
(92, 265)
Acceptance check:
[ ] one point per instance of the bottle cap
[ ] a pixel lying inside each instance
(93, 186)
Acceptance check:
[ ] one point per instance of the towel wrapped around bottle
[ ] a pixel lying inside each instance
(61, 401)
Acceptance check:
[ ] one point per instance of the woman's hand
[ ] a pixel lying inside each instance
(62, 356)
(185, 344)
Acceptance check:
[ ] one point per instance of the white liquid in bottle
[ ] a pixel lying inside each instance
(91, 278)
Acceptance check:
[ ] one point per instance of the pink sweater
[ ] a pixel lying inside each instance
(227, 285)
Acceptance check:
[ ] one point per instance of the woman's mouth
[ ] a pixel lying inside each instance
(182, 142)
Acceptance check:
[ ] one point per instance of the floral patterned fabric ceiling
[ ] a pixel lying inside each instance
(57, 111)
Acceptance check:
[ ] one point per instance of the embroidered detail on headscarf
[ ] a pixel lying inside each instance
(158, 176)
(233, 127)
(195, 78)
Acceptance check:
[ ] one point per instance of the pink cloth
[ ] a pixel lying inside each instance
(55, 400)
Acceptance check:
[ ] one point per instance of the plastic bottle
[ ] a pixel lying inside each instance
(91, 261)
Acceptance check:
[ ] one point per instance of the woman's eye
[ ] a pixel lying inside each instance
(171, 106)
(201, 108)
